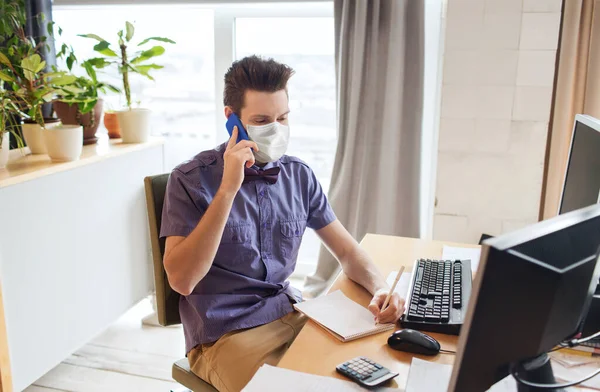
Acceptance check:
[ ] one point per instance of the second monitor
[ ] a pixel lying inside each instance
(582, 177)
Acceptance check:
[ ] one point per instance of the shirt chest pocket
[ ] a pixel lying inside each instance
(291, 237)
(236, 234)
(235, 249)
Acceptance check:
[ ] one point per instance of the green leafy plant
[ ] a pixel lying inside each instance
(31, 85)
(85, 90)
(22, 67)
(137, 62)
(9, 115)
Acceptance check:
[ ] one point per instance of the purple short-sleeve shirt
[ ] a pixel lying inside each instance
(246, 285)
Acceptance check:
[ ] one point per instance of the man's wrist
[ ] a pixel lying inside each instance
(225, 193)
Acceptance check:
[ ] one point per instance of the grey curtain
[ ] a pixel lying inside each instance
(36, 27)
(375, 180)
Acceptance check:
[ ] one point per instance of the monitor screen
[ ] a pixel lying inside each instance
(582, 181)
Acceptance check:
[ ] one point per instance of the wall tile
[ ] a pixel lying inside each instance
(497, 67)
(461, 67)
(532, 103)
(542, 5)
(459, 101)
(494, 102)
(501, 31)
(539, 31)
(536, 68)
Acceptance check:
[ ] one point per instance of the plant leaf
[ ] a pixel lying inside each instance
(50, 28)
(72, 89)
(87, 106)
(161, 39)
(41, 66)
(98, 62)
(113, 88)
(90, 71)
(103, 47)
(4, 59)
(141, 71)
(70, 61)
(146, 68)
(148, 54)
(5, 77)
(130, 29)
(63, 80)
(93, 36)
(30, 65)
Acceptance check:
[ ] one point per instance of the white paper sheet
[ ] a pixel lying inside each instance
(435, 377)
(457, 253)
(566, 372)
(274, 379)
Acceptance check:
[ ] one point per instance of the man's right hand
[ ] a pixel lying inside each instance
(237, 155)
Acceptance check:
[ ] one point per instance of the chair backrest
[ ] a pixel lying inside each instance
(167, 299)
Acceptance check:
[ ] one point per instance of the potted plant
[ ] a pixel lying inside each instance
(24, 70)
(9, 112)
(82, 105)
(134, 122)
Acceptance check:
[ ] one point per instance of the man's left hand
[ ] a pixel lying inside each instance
(392, 312)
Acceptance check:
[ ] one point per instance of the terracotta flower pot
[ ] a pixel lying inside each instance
(111, 122)
(69, 114)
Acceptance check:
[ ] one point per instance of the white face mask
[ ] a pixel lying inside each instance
(272, 140)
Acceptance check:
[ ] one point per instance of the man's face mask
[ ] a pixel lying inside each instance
(272, 140)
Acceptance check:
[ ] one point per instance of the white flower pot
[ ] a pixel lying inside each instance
(135, 125)
(64, 142)
(34, 137)
(4, 146)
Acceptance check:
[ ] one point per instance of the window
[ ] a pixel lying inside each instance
(186, 98)
(307, 45)
(182, 99)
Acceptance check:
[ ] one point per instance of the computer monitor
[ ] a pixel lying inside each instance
(530, 293)
(582, 177)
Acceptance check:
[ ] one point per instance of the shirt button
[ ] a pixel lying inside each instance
(234, 238)
(297, 232)
(262, 193)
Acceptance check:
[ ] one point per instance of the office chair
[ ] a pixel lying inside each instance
(167, 299)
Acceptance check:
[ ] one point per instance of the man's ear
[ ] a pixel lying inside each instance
(228, 111)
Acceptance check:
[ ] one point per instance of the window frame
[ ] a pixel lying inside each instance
(224, 35)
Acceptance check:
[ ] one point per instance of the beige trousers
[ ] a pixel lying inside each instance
(229, 363)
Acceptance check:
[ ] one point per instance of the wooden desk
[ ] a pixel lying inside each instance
(317, 352)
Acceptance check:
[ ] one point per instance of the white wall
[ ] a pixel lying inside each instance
(498, 74)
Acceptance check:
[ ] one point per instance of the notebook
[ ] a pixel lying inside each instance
(342, 317)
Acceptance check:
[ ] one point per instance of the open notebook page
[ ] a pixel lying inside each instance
(341, 316)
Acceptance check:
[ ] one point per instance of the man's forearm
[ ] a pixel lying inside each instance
(358, 266)
(188, 262)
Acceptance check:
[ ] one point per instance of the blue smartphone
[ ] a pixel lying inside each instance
(234, 121)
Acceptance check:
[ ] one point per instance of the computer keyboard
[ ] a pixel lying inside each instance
(438, 296)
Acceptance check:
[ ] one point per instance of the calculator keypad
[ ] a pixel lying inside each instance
(365, 371)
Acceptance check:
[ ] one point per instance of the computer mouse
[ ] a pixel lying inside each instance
(413, 341)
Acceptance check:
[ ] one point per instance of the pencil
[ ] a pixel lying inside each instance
(387, 300)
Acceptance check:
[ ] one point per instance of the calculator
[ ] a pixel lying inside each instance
(365, 372)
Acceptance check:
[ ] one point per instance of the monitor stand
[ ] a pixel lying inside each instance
(537, 370)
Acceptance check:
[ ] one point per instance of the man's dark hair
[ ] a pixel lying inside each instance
(253, 73)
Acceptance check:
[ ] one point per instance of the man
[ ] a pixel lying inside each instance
(234, 219)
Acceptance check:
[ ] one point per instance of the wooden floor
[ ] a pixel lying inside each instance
(126, 357)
